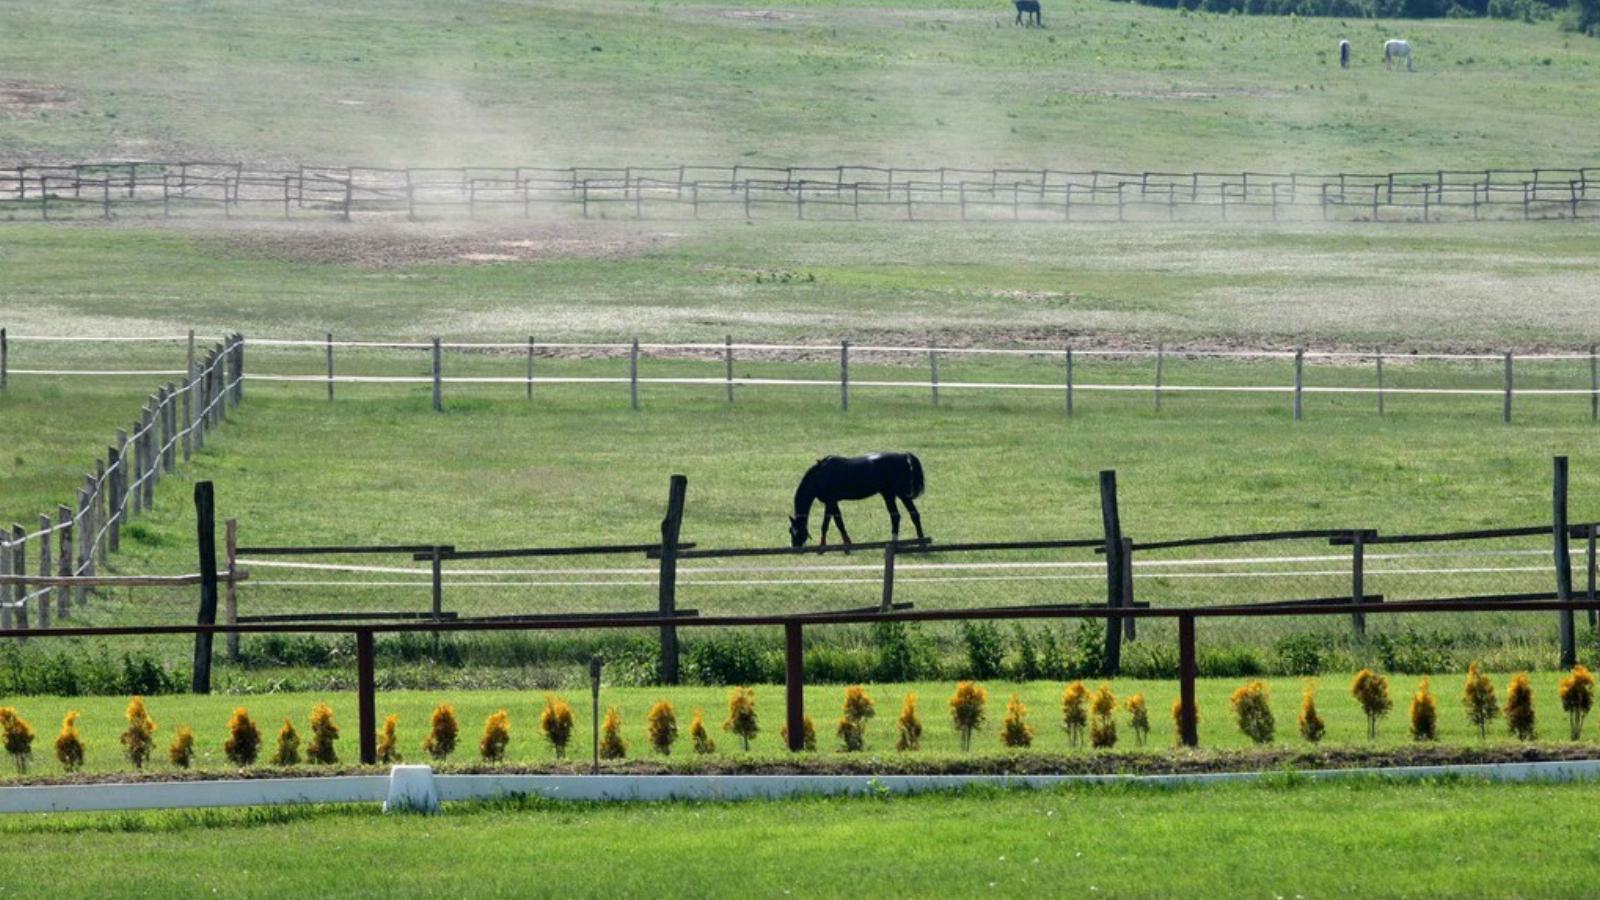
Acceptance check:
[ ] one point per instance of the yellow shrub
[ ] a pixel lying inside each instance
(18, 736)
(1478, 697)
(496, 735)
(612, 746)
(1252, 709)
(181, 752)
(1177, 717)
(857, 705)
(244, 739)
(910, 725)
(663, 727)
(556, 723)
(808, 735)
(388, 751)
(966, 710)
(69, 746)
(702, 739)
(1311, 725)
(1519, 707)
(1371, 690)
(323, 735)
(442, 732)
(1138, 718)
(1577, 698)
(1424, 715)
(1103, 706)
(139, 740)
(852, 738)
(742, 715)
(288, 750)
(1074, 711)
(1014, 730)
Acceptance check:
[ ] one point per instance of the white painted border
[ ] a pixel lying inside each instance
(374, 788)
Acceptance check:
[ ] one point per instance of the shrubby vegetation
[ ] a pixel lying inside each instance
(1583, 15)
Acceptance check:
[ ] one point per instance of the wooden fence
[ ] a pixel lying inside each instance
(842, 192)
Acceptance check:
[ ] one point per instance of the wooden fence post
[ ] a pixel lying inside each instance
(1111, 519)
(5, 359)
(844, 376)
(671, 527)
(1358, 580)
(19, 566)
(530, 367)
(206, 534)
(328, 343)
(6, 619)
(103, 510)
(436, 606)
(794, 684)
(438, 386)
(1380, 384)
(45, 570)
(1594, 385)
(933, 370)
(1563, 562)
(116, 501)
(188, 400)
(230, 533)
(1130, 625)
(1069, 382)
(1188, 669)
(727, 363)
(1590, 568)
(633, 374)
(1506, 411)
(1299, 380)
(888, 574)
(366, 700)
(64, 561)
(85, 564)
(1161, 356)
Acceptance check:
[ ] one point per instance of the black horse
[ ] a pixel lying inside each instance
(1031, 8)
(835, 478)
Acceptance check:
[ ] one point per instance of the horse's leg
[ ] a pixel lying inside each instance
(894, 515)
(915, 518)
(837, 517)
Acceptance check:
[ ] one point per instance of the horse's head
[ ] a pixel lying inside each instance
(798, 534)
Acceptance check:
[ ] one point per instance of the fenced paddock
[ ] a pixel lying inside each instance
(842, 192)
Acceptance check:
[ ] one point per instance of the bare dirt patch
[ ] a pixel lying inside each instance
(394, 245)
(1175, 94)
(19, 99)
(769, 15)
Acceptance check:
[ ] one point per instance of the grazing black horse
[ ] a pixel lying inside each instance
(1031, 8)
(835, 478)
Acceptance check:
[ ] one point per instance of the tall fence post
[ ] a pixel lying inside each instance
(5, 359)
(1563, 561)
(933, 370)
(794, 684)
(230, 545)
(1161, 357)
(1188, 670)
(116, 499)
(64, 561)
(1130, 625)
(206, 534)
(85, 564)
(438, 386)
(103, 509)
(436, 597)
(366, 699)
(671, 526)
(45, 570)
(19, 566)
(1358, 580)
(727, 363)
(1592, 570)
(633, 375)
(1299, 380)
(328, 343)
(6, 620)
(844, 376)
(1380, 384)
(1111, 519)
(887, 602)
(1506, 410)
(1594, 385)
(530, 367)
(1069, 382)
(188, 400)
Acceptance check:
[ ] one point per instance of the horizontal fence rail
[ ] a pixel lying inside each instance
(839, 192)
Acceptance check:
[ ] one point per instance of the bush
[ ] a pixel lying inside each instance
(556, 723)
(732, 657)
(808, 735)
(244, 739)
(1519, 707)
(1302, 653)
(852, 736)
(1577, 697)
(966, 710)
(1478, 697)
(388, 748)
(324, 733)
(18, 735)
(1371, 690)
(910, 725)
(1103, 706)
(742, 715)
(698, 734)
(1424, 715)
(69, 746)
(442, 731)
(181, 752)
(1177, 718)
(1311, 725)
(612, 746)
(1416, 653)
(1028, 665)
(662, 724)
(1138, 718)
(1252, 709)
(1014, 730)
(496, 735)
(1230, 662)
(287, 752)
(1074, 711)
(985, 648)
(139, 739)
(902, 653)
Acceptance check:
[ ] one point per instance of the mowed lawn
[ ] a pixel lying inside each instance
(1286, 838)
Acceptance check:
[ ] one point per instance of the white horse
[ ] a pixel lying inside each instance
(1394, 51)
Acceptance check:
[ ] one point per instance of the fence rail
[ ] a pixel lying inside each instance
(849, 192)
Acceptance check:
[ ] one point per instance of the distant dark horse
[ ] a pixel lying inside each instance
(835, 478)
(1031, 8)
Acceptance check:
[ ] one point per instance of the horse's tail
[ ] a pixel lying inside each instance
(916, 475)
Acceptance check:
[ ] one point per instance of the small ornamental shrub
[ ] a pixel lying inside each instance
(1177, 718)
(1103, 728)
(69, 746)
(857, 705)
(1014, 730)
(742, 715)
(139, 740)
(1424, 714)
(852, 737)
(1075, 711)
(808, 735)
(244, 739)
(1311, 725)
(182, 750)
(701, 738)
(612, 746)
(442, 732)
(1252, 709)
(556, 723)
(1577, 697)
(288, 751)
(18, 736)
(910, 725)
(1138, 718)
(496, 735)
(663, 727)
(1519, 707)
(1478, 697)
(388, 750)
(1371, 690)
(966, 710)
(324, 733)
